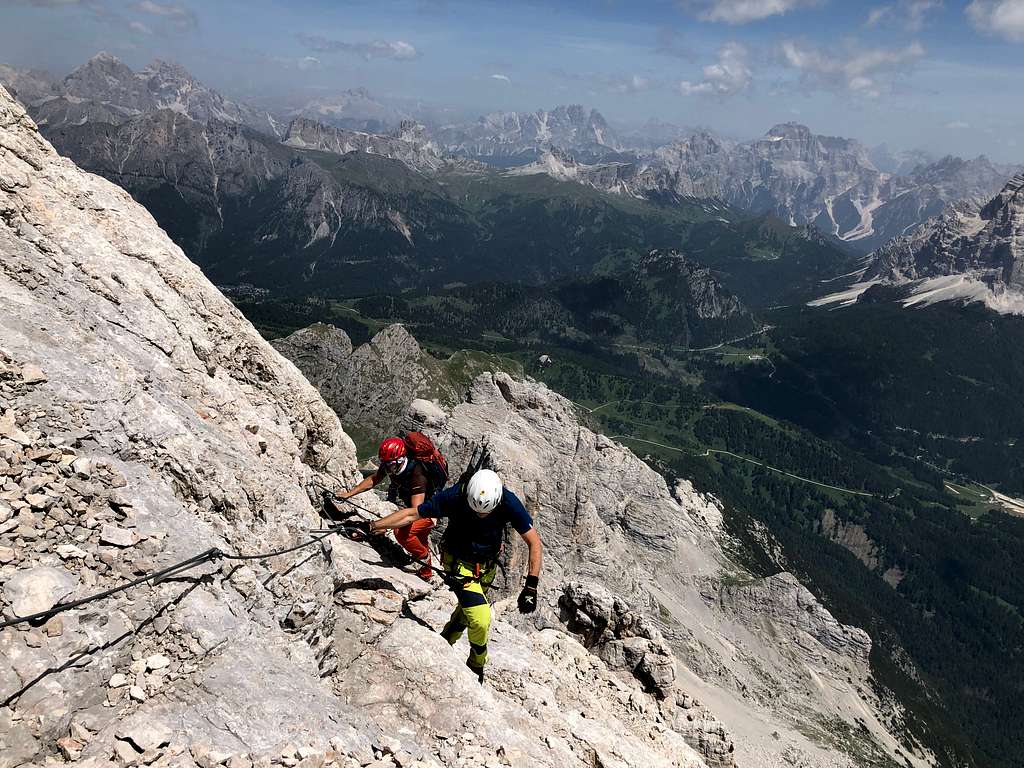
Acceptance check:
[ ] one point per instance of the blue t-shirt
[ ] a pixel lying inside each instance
(471, 537)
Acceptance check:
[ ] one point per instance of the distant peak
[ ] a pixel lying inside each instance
(104, 57)
(789, 130)
(167, 67)
(102, 64)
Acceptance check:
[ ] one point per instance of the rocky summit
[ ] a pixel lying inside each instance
(105, 90)
(409, 144)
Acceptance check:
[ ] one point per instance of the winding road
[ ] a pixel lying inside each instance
(719, 345)
(709, 451)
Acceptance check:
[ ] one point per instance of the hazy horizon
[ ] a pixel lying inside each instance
(908, 73)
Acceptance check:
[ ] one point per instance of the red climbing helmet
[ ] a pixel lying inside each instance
(392, 449)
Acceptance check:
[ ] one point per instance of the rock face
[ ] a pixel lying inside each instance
(754, 656)
(369, 387)
(37, 589)
(970, 252)
(135, 398)
(620, 635)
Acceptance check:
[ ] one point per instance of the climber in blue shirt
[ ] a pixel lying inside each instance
(478, 512)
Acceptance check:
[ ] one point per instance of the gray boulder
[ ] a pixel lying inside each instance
(34, 590)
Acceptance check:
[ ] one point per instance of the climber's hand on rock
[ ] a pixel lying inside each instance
(361, 531)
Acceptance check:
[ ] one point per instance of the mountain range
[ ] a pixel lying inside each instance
(514, 138)
(106, 90)
(799, 177)
(858, 197)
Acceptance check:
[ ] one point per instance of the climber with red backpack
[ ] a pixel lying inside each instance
(479, 509)
(416, 470)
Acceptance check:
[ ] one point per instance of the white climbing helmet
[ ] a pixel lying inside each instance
(484, 492)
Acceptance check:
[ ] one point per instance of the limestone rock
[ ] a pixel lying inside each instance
(34, 590)
(144, 734)
(32, 374)
(371, 386)
(791, 604)
(157, 661)
(621, 636)
(117, 537)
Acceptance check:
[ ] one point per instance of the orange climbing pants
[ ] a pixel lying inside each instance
(414, 537)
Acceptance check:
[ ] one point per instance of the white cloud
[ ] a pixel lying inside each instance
(633, 84)
(142, 29)
(878, 14)
(177, 14)
(1004, 18)
(917, 12)
(911, 14)
(503, 78)
(376, 49)
(728, 76)
(958, 125)
(307, 63)
(864, 71)
(745, 11)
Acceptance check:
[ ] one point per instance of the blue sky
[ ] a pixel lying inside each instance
(937, 74)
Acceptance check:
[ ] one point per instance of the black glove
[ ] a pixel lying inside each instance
(359, 530)
(528, 597)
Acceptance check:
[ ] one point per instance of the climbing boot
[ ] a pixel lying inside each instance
(478, 671)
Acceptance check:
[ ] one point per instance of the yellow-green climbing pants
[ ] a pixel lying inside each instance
(473, 614)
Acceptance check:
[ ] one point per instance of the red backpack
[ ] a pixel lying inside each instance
(422, 449)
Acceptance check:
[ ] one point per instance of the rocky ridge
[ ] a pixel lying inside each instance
(106, 90)
(975, 253)
(514, 137)
(410, 144)
(238, 187)
(369, 386)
